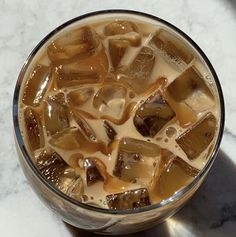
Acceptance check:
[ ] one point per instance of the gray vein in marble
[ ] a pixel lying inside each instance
(227, 213)
(230, 133)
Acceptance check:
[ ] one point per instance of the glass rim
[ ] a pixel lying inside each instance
(177, 195)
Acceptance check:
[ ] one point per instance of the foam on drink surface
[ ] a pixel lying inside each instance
(114, 133)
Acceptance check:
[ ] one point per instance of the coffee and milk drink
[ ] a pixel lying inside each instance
(118, 113)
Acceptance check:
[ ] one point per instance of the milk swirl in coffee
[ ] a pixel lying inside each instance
(119, 114)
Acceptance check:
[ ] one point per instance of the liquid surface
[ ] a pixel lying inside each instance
(119, 114)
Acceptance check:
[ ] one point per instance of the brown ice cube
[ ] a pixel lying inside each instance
(124, 161)
(141, 68)
(73, 139)
(79, 43)
(86, 71)
(120, 27)
(191, 89)
(174, 175)
(132, 199)
(187, 95)
(33, 128)
(55, 169)
(92, 173)
(152, 115)
(72, 184)
(174, 47)
(138, 73)
(67, 179)
(36, 86)
(66, 140)
(171, 174)
(70, 75)
(110, 131)
(117, 49)
(135, 160)
(55, 113)
(51, 165)
(84, 126)
(110, 100)
(197, 138)
(184, 114)
(133, 167)
(132, 145)
(80, 96)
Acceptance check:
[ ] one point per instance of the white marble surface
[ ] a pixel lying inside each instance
(211, 23)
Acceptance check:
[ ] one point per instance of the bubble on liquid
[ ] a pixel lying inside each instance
(148, 140)
(170, 132)
(91, 197)
(85, 198)
(93, 138)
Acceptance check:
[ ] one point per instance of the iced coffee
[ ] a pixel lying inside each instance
(119, 114)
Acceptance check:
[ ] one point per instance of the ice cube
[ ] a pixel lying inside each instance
(66, 140)
(191, 88)
(172, 179)
(152, 115)
(184, 114)
(55, 113)
(197, 138)
(117, 49)
(84, 126)
(174, 47)
(132, 145)
(67, 77)
(79, 43)
(92, 173)
(74, 187)
(175, 177)
(120, 27)
(73, 139)
(110, 100)
(51, 165)
(86, 71)
(175, 174)
(125, 160)
(110, 131)
(187, 95)
(54, 168)
(67, 179)
(36, 86)
(138, 73)
(33, 128)
(80, 96)
(132, 199)
(132, 167)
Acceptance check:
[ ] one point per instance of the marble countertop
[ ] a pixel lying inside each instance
(212, 24)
